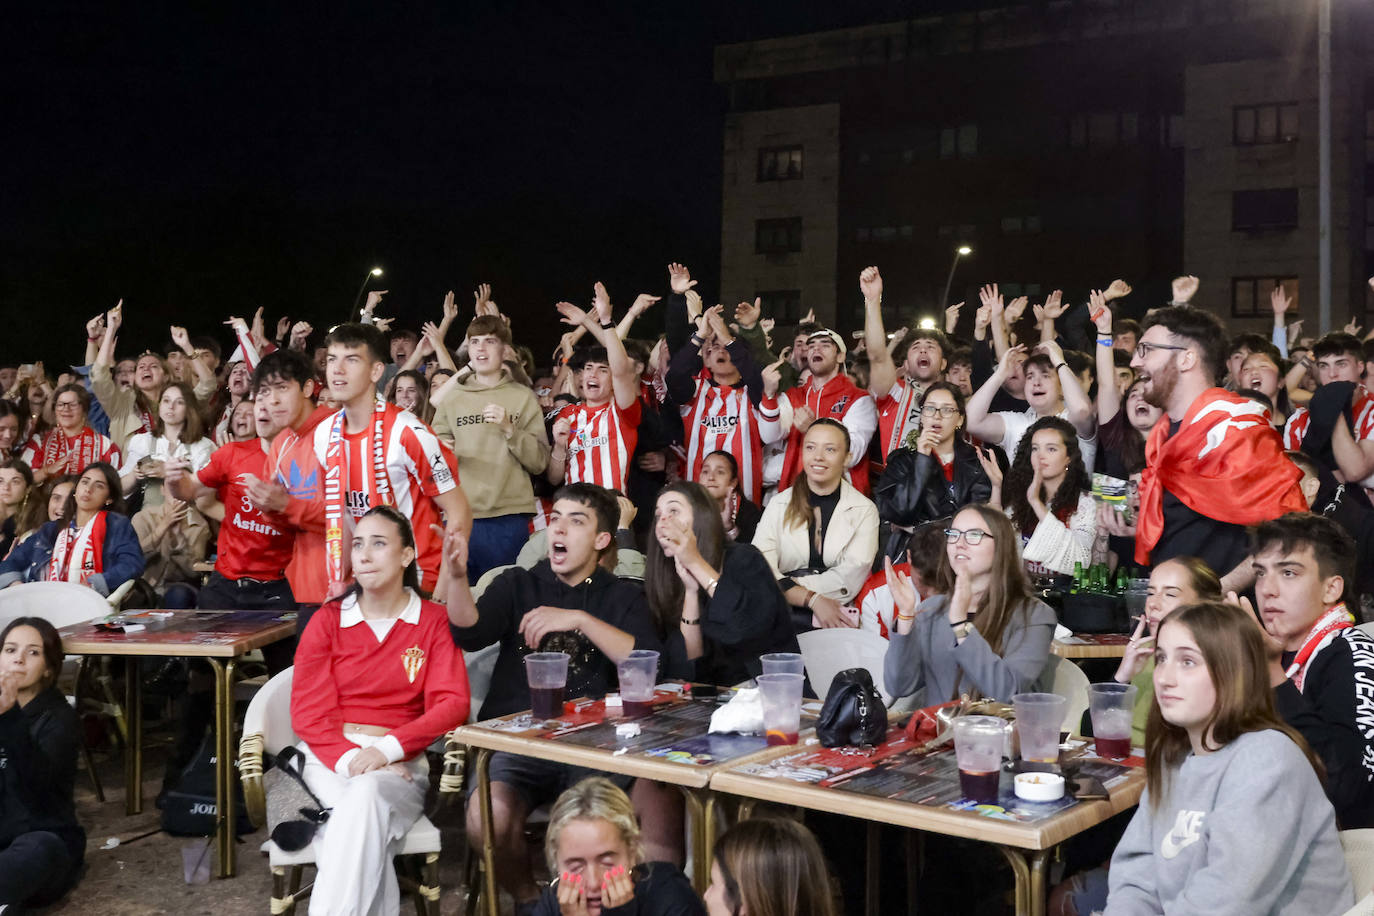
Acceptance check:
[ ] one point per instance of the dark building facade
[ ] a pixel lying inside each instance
(1066, 142)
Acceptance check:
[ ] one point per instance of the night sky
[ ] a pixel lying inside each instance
(200, 164)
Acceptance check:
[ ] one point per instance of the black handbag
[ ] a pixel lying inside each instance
(853, 713)
(295, 835)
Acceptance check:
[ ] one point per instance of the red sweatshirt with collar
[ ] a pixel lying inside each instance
(412, 683)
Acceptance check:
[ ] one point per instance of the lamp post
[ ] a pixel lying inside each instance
(357, 300)
(960, 252)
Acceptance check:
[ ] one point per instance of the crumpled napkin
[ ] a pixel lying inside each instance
(1061, 631)
(743, 714)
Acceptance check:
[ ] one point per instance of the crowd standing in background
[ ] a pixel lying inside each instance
(711, 494)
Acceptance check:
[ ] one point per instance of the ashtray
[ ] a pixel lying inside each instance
(1039, 786)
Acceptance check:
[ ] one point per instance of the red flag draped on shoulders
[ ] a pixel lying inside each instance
(1225, 462)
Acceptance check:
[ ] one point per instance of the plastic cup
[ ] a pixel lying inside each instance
(782, 694)
(1039, 717)
(782, 663)
(638, 674)
(547, 673)
(1112, 706)
(978, 743)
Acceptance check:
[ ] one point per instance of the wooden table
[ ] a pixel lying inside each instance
(1026, 845)
(686, 757)
(1091, 645)
(220, 637)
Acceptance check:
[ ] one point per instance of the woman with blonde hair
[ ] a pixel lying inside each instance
(981, 632)
(769, 867)
(596, 856)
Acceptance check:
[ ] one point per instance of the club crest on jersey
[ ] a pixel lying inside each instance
(839, 406)
(412, 659)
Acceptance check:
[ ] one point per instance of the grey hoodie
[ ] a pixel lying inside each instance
(1243, 831)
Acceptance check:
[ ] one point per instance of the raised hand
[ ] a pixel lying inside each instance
(481, 299)
(903, 592)
(952, 317)
(694, 304)
(601, 302)
(1139, 650)
(238, 324)
(628, 511)
(450, 308)
(680, 278)
(181, 338)
(1184, 288)
(455, 551)
(715, 320)
(572, 895)
(572, 314)
(1116, 290)
(1054, 306)
(772, 377)
(1033, 491)
(283, 326)
(95, 328)
(747, 315)
(299, 332)
(642, 303)
(802, 418)
(871, 283)
(1100, 314)
(990, 467)
(1051, 349)
(383, 324)
(115, 317)
(767, 324)
(1014, 309)
(374, 299)
(258, 330)
(1351, 327)
(616, 887)
(991, 299)
(1009, 359)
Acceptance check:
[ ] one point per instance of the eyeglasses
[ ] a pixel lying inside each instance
(931, 410)
(1143, 349)
(974, 536)
(67, 405)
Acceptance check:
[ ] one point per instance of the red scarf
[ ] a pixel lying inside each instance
(1338, 618)
(1225, 462)
(90, 554)
(76, 453)
(336, 484)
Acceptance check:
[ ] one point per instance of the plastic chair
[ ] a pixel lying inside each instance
(1063, 677)
(267, 727)
(1359, 860)
(826, 653)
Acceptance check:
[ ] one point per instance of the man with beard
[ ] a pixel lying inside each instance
(1214, 464)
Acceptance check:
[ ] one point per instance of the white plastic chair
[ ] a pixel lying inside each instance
(1063, 677)
(267, 727)
(1368, 628)
(827, 652)
(1359, 860)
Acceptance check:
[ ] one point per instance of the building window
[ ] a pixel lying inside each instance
(1252, 211)
(959, 142)
(1013, 225)
(965, 232)
(1250, 295)
(1103, 130)
(775, 236)
(780, 163)
(1256, 124)
(1171, 131)
(782, 305)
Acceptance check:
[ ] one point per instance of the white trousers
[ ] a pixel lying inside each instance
(354, 848)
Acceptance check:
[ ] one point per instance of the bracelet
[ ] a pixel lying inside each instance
(1104, 341)
(607, 325)
(905, 617)
(1060, 366)
(694, 622)
(711, 587)
(810, 598)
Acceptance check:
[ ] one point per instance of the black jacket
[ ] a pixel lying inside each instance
(747, 617)
(38, 747)
(518, 591)
(913, 489)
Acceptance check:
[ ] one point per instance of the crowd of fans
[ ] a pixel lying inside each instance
(711, 494)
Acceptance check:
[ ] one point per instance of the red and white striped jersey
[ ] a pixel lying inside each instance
(600, 442)
(722, 418)
(418, 466)
(1295, 430)
(898, 414)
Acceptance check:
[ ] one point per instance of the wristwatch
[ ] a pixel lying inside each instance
(1060, 366)
(962, 628)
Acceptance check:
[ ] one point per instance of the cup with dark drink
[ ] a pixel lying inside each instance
(547, 673)
(1112, 707)
(782, 694)
(978, 745)
(638, 673)
(782, 663)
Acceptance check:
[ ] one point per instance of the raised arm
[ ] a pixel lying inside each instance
(637, 308)
(624, 379)
(1108, 402)
(882, 372)
(1076, 403)
(115, 317)
(981, 423)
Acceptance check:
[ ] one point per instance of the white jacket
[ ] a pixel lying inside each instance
(851, 543)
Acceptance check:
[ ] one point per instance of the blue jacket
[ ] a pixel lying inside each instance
(121, 556)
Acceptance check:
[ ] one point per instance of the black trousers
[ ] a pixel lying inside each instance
(35, 868)
(224, 594)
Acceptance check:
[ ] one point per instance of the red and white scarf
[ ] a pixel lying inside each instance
(87, 448)
(1338, 618)
(336, 486)
(89, 540)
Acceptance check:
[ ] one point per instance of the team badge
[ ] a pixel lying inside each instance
(412, 659)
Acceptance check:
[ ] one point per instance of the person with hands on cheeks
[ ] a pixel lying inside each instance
(820, 536)
(377, 680)
(41, 843)
(981, 633)
(1046, 493)
(594, 848)
(569, 602)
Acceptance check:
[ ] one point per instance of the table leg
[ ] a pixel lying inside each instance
(912, 842)
(871, 863)
(224, 767)
(481, 766)
(1029, 867)
(701, 822)
(133, 745)
(746, 809)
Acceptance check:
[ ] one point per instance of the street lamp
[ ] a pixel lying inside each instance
(357, 300)
(962, 251)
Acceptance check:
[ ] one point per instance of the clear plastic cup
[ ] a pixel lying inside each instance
(1039, 718)
(782, 694)
(782, 663)
(547, 673)
(1112, 706)
(638, 673)
(978, 744)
